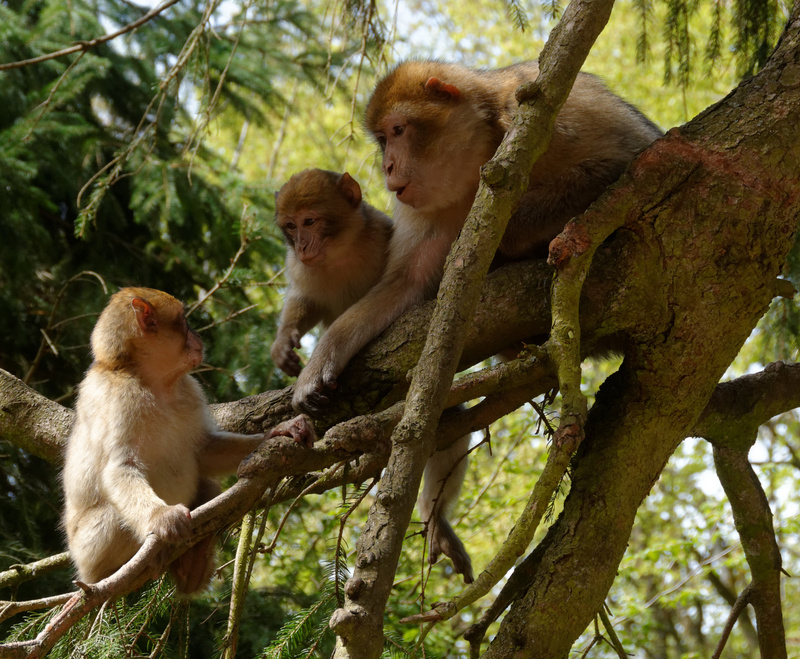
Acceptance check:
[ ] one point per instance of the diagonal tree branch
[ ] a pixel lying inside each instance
(753, 519)
(504, 179)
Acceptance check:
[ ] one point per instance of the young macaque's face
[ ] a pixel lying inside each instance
(318, 213)
(182, 343)
(166, 340)
(308, 232)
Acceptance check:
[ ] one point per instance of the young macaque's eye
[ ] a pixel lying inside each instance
(309, 221)
(398, 130)
(290, 226)
(381, 141)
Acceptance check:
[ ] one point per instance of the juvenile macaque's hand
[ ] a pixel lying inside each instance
(171, 523)
(284, 355)
(301, 429)
(309, 390)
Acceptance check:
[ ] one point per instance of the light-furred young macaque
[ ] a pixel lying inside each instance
(436, 125)
(143, 449)
(336, 251)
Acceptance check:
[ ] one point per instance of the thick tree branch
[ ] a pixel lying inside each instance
(692, 244)
(31, 421)
(737, 408)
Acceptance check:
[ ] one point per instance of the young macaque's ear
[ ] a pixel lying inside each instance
(350, 189)
(145, 314)
(443, 88)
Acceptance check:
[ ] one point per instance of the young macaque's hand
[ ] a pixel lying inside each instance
(301, 429)
(316, 377)
(171, 523)
(284, 355)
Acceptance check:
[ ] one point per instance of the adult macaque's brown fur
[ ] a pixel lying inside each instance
(143, 450)
(436, 125)
(337, 247)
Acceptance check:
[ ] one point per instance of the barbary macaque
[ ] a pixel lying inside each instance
(336, 251)
(143, 450)
(436, 125)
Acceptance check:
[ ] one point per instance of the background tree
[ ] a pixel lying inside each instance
(180, 232)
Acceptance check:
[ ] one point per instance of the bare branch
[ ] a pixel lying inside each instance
(10, 609)
(753, 519)
(18, 574)
(88, 45)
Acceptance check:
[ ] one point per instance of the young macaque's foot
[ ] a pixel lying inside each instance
(193, 569)
(301, 429)
(171, 523)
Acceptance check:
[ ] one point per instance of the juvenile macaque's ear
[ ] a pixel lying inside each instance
(443, 88)
(145, 314)
(350, 188)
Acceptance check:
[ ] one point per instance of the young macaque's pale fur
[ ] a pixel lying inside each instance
(337, 246)
(436, 125)
(143, 450)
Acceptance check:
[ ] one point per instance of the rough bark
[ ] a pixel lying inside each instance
(712, 209)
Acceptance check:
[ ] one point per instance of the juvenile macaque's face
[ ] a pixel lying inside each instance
(192, 344)
(307, 232)
(166, 343)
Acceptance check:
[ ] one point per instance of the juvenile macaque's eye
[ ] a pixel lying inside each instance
(290, 226)
(381, 141)
(398, 130)
(309, 221)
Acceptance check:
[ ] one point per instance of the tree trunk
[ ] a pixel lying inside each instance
(712, 212)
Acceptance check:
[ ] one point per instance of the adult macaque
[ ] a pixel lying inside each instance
(337, 246)
(143, 450)
(436, 125)
(336, 251)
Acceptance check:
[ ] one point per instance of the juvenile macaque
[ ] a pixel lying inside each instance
(143, 450)
(336, 251)
(436, 125)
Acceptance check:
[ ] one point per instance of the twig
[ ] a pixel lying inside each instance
(46, 103)
(46, 342)
(10, 609)
(86, 45)
(614, 641)
(736, 610)
(244, 242)
(518, 539)
(17, 574)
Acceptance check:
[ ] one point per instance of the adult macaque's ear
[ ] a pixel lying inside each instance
(443, 88)
(350, 188)
(145, 314)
